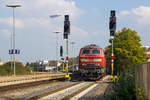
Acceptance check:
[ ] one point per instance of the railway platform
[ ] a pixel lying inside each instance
(18, 79)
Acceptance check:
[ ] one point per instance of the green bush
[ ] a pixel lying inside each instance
(3, 71)
(29, 69)
(140, 93)
(7, 70)
(123, 88)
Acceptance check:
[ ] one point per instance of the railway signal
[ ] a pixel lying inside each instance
(66, 27)
(112, 28)
(66, 33)
(112, 23)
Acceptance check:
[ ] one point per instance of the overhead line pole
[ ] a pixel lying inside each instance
(54, 16)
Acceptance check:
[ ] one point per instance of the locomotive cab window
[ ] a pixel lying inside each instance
(86, 51)
(94, 51)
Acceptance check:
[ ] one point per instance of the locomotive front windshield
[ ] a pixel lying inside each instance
(95, 51)
(85, 51)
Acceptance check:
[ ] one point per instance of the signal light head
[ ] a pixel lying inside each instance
(66, 27)
(66, 17)
(112, 23)
(112, 13)
(65, 36)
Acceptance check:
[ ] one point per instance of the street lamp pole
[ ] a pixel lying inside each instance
(56, 48)
(13, 36)
(72, 43)
(54, 16)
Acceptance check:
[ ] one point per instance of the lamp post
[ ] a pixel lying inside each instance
(72, 43)
(55, 16)
(56, 48)
(13, 36)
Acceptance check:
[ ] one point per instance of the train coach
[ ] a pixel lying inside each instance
(91, 62)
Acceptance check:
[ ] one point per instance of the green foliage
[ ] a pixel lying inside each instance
(127, 53)
(127, 49)
(27, 64)
(123, 88)
(3, 71)
(29, 69)
(140, 93)
(7, 70)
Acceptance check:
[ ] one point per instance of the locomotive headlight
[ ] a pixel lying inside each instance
(84, 64)
(97, 60)
(97, 64)
(84, 60)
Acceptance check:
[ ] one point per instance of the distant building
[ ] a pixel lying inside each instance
(147, 51)
(43, 65)
(52, 63)
(1, 63)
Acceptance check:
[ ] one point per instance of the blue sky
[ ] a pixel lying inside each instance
(89, 24)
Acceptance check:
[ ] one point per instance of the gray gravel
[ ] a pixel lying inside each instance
(62, 94)
(23, 94)
(97, 93)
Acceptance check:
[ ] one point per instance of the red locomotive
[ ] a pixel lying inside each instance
(91, 62)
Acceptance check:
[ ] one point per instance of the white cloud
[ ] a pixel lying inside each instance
(5, 32)
(36, 13)
(79, 32)
(141, 15)
(6, 21)
(99, 33)
(40, 8)
(137, 19)
(124, 13)
(32, 22)
(9, 22)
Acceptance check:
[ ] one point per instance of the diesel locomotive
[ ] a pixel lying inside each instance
(91, 62)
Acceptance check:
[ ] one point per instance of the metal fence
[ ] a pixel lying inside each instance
(142, 76)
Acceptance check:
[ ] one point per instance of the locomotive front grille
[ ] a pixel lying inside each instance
(91, 69)
(91, 64)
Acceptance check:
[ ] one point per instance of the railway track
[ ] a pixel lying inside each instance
(71, 92)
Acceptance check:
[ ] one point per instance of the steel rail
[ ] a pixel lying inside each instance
(52, 92)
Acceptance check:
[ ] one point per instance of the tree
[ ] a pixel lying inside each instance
(27, 64)
(128, 50)
(7, 70)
